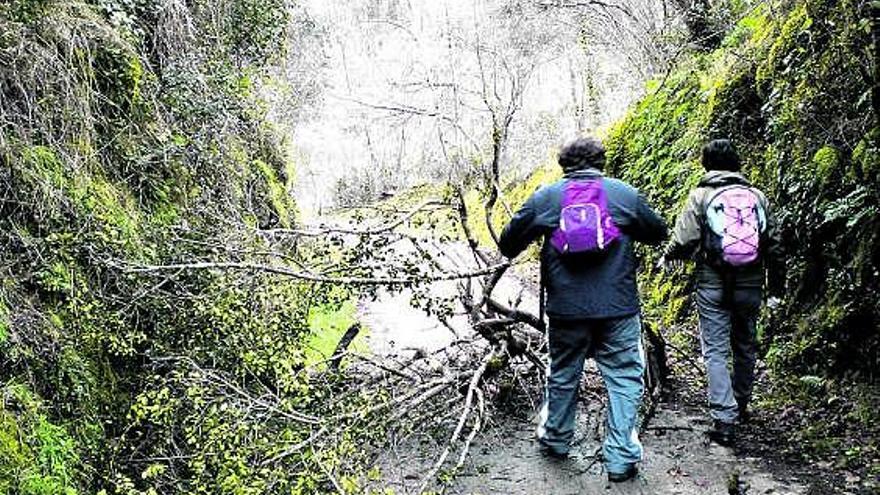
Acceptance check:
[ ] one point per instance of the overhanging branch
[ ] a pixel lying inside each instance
(310, 277)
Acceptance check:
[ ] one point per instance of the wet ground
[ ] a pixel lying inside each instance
(504, 458)
(678, 460)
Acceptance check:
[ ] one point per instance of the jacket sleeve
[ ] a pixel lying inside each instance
(688, 229)
(646, 225)
(774, 254)
(522, 230)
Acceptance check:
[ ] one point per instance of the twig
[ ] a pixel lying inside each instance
(468, 404)
(413, 378)
(684, 355)
(669, 428)
(295, 448)
(476, 429)
(516, 314)
(329, 475)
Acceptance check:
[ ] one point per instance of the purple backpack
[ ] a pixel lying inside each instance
(736, 220)
(585, 225)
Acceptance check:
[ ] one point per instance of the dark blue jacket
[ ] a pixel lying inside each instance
(586, 288)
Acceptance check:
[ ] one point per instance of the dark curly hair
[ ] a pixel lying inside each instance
(719, 154)
(582, 153)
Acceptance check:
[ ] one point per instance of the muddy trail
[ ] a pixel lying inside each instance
(504, 457)
(678, 460)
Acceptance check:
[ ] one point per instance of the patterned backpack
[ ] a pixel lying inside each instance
(735, 218)
(585, 225)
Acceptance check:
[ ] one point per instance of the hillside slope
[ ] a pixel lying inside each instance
(137, 133)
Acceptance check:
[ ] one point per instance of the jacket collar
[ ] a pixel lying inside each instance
(719, 178)
(584, 173)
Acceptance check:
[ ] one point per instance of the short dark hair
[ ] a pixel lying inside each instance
(719, 154)
(582, 153)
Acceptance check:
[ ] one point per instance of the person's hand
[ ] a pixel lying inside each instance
(665, 264)
(773, 302)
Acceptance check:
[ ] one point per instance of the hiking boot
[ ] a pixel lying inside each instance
(552, 453)
(722, 433)
(624, 476)
(744, 416)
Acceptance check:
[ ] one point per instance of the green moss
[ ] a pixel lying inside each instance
(42, 166)
(825, 162)
(4, 321)
(279, 196)
(14, 455)
(771, 87)
(114, 207)
(57, 460)
(866, 156)
(134, 77)
(93, 197)
(786, 49)
(120, 74)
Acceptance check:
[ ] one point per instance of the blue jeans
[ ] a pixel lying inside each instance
(617, 347)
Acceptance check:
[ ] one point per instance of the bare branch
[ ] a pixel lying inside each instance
(381, 229)
(583, 3)
(308, 277)
(468, 404)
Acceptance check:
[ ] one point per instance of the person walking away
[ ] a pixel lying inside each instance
(727, 226)
(588, 224)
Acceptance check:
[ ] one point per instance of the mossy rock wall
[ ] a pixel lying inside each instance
(793, 92)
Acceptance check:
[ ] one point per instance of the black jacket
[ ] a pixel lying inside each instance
(579, 288)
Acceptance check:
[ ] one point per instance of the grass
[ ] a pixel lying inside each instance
(327, 324)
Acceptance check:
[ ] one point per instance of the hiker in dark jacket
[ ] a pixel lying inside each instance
(728, 228)
(588, 224)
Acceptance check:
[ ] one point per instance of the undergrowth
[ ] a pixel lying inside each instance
(137, 133)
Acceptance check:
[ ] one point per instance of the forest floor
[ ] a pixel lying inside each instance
(505, 459)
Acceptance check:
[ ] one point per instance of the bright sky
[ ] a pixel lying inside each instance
(379, 56)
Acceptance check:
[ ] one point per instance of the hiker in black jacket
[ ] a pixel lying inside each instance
(588, 224)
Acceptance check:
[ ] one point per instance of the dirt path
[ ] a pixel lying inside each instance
(678, 460)
(504, 458)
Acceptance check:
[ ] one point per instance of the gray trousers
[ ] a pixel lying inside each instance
(616, 345)
(727, 326)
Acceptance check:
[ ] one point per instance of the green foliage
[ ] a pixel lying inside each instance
(4, 321)
(255, 29)
(105, 165)
(769, 88)
(826, 161)
(25, 11)
(37, 457)
(793, 92)
(279, 196)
